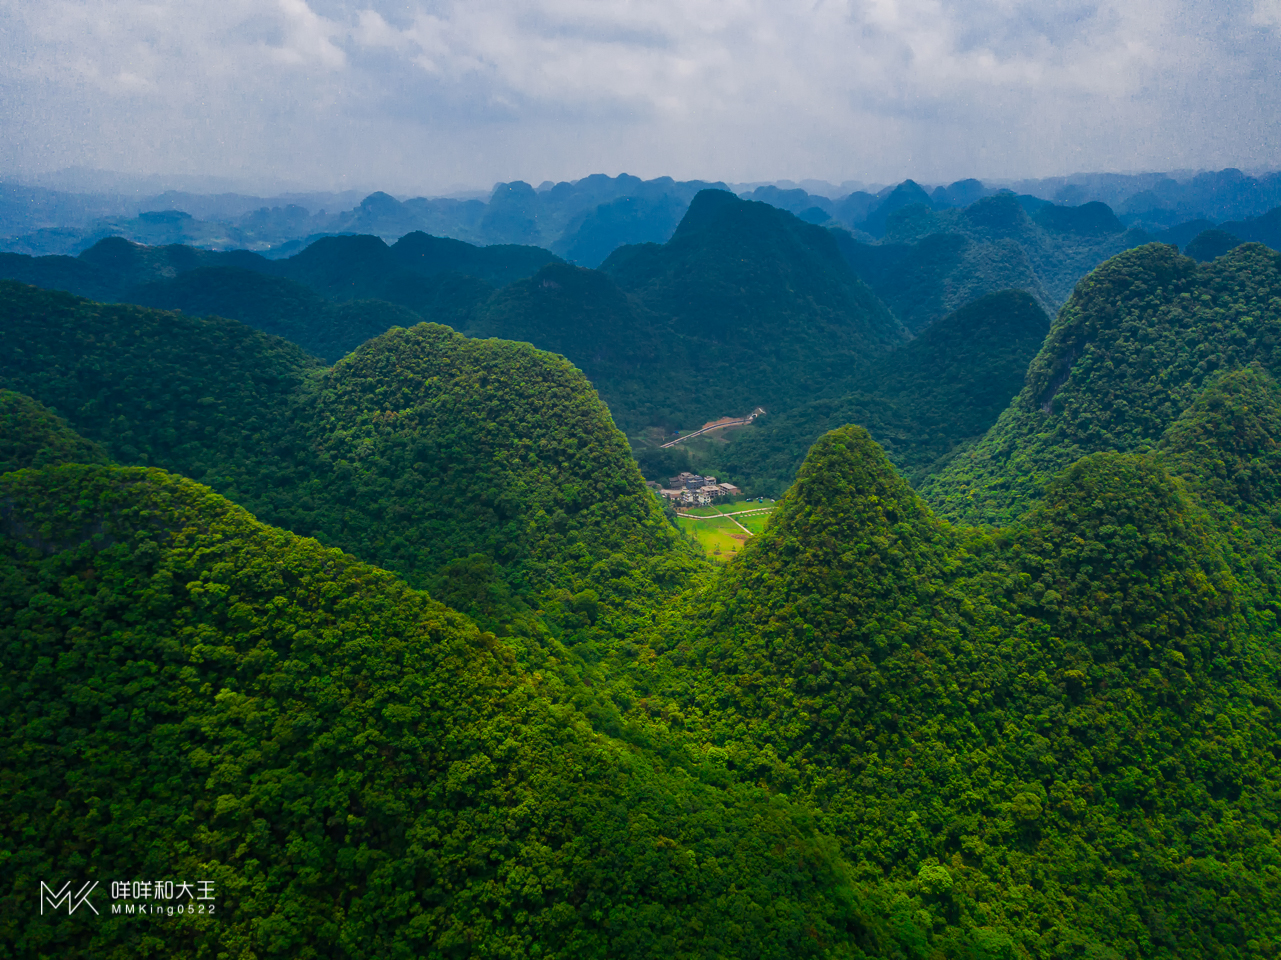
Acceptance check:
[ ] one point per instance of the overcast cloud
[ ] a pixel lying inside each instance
(420, 96)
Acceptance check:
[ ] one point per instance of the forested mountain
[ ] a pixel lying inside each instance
(921, 402)
(31, 435)
(476, 465)
(376, 286)
(286, 308)
(357, 770)
(582, 215)
(1124, 359)
(337, 268)
(1061, 732)
(594, 235)
(760, 304)
(745, 305)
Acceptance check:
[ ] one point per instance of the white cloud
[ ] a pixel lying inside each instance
(418, 94)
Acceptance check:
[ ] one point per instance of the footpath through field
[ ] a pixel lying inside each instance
(720, 514)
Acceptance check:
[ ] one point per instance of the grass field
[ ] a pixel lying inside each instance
(720, 535)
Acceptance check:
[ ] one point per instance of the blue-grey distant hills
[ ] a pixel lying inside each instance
(583, 221)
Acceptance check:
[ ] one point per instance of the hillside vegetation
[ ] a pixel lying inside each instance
(1029, 714)
(329, 298)
(359, 771)
(421, 450)
(1126, 356)
(31, 435)
(745, 306)
(932, 262)
(1058, 735)
(759, 303)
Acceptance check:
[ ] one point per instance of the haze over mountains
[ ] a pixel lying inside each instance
(583, 220)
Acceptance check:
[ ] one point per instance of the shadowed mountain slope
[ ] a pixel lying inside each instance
(932, 262)
(594, 235)
(1227, 447)
(922, 401)
(422, 449)
(31, 435)
(277, 306)
(1126, 356)
(757, 306)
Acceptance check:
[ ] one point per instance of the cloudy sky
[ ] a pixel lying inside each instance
(426, 96)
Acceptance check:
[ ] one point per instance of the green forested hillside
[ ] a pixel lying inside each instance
(874, 733)
(58, 273)
(357, 770)
(31, 435)
(636, 364)
(498, 264)
(1227, 447)
(1124, 359)
(278, 306)
(205, 397)
(421, 450)
(426, 447)
(745, 306)
(1060, 733)
(437, 278)
(921, 402)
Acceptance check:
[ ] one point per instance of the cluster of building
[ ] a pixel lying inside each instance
(689, 489)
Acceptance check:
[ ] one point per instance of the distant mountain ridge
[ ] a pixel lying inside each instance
(746, 305)
(1027, 712)
(582, 220)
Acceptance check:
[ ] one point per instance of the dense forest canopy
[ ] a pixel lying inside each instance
(1078, 697)
(1124, 359)
(359, 770)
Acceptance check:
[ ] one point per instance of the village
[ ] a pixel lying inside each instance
(691, 490)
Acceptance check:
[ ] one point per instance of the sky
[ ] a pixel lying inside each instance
(433, 97)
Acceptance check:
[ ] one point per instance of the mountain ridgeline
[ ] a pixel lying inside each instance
(308, 734)
(1067, 720)
(745, 305)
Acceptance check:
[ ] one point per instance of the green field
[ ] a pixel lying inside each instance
(724, 538)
